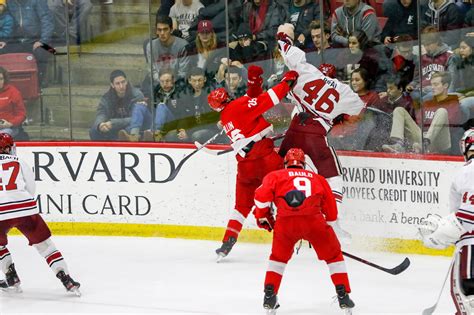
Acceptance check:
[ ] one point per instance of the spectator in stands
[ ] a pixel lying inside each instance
(368, 55)
(402, 20)
(6, 25)
(202, 122)
(183, 13)
(263, 18)
(168, 51)
(207, 51)
(12, 108)
(33, 29)
(445, 16)
(437, 58)
(436, 116)
(469, 22)
(353, 132)
(232, 78)
(300, 13)
(361, 83)
(169, 111)
(380, 113)
(77, 11)
(396, 97)
(465, 78)
(165, 7)
(403, 60)
(215, 11)
(115, 107)
(247, 49)
(320, 45)
(354, 15)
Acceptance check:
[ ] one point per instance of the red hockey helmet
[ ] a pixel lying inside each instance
(217, 99)
(466, 142)
(7, 144)
(295, 157)
(328, 70)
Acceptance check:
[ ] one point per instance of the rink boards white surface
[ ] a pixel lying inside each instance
(118, 189)
(127, 275)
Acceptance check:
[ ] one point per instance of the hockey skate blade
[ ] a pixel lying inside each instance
(220, 256)
(271, 312)
(5, 288)
(76, 292)
(347, 311)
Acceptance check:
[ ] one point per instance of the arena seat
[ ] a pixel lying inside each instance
(23, 73)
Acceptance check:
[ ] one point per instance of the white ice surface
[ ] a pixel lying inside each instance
(172, 276)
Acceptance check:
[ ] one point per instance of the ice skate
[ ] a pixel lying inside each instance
(270, 300)
(225, 249)
(12, 281)
(345, 302)
(70, 285)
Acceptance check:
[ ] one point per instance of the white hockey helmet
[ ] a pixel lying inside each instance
(466, 142)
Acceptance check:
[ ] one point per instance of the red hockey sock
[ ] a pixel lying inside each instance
(273, 278)
(233, 229)
(341, 278)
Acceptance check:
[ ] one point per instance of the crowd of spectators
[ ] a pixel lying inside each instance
(197, 48)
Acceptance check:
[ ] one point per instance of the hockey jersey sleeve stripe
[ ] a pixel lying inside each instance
(337, 267)
(276, 266)
(273, 97)
(18, 205)
(262, 205)
(465, 216)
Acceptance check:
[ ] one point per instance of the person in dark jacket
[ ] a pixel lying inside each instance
(33, 29)
(354, 15)
(301, 13)
(6, 25)
(445, 16)
(115, 106)
(263, 18)
(402, 19)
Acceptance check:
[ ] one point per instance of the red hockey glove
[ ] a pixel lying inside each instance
(254, 75)
(290, 77)
(254, 81)
(265, 219)
(284, 38)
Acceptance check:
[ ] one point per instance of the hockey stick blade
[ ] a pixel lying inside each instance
(393, 271)
(430, 310)
(175, 170)
(214, 152)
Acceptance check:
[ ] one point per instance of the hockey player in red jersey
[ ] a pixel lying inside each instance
(319, 99)
(306, 209)
(458, 228)
(18, 209)
(245, 126)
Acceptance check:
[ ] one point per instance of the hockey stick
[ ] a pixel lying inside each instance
(175, 170)
(393, 271)
(430, 310)
(214, 152)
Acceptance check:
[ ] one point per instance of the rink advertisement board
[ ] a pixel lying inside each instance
(96, 183)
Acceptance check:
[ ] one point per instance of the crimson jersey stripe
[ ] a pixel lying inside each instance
(4, 253)
(54, 257)
(19, 205)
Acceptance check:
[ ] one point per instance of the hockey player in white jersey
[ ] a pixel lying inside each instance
(458, 228)
(319, 100)
(18, 209)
